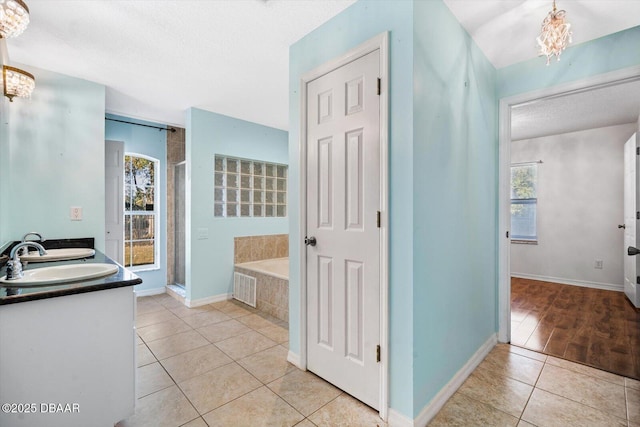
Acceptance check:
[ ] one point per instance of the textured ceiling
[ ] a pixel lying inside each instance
(506, 30)
(605, 106)
(158, 58)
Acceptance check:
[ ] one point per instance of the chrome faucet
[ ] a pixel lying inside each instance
(24, 250)
(14, 266)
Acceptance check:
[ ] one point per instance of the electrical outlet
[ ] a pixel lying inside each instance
(598, 264)
(75, 213)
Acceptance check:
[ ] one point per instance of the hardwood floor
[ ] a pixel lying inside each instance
(590, 326)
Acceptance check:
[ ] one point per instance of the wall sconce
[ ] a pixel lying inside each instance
(14, 18)
(17, 82)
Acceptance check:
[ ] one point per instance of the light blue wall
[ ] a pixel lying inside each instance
(610, 53)
(209, 270)
(53, 158)
(358, 23)
(153, 143)
(4, 153)
(454, 199)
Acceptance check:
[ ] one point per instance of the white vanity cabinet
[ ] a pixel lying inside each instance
(70, 358)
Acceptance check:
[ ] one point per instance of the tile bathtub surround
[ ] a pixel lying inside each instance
(234, 372)
(272, 294)
(256, 248)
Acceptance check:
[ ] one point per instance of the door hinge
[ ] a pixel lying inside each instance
(507, 234)
(378, 353)
(637, 148)
(378, 219)
(379, 85)
(637, 215)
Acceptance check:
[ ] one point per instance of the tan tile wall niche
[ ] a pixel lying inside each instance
(256, 248)
(175, 155)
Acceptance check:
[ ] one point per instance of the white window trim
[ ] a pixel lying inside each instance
(156, 210)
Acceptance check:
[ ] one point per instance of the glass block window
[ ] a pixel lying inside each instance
(524, 202)
(249, 188)
(140, 212)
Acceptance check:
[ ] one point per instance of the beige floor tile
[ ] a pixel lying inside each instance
(584, 389)
(345, 411)
(186, 311)
(233, 309)
(138, 339)
(304, 391)
(176, 344)
(144, 306)
(224, 330)
(245, 344)
(154, 317)
(195, 362)
(461, 410)
(512, 365)
(546, 409)
(631, 383)
(151, 378)
(168, 301)
(305, 423)
(268, 365)
(503, 393)
(285, 345)
(144, 355)
(215, 388)
(255, 321)
(275, 333)
(523, 423)
(165, 408)
(259, 408)
(522, 352)
(206, 318)
(633, 405)
(198, 422)
(161, 330)
(587, 370)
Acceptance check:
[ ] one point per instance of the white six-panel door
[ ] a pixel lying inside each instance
(114, 200)
(343, 199)
(630, 209)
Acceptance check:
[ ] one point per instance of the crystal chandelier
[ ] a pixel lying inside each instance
(555, 34)
(17, 82)
(14, 18)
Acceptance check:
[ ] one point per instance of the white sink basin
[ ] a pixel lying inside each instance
(62, 274)
(58, 255)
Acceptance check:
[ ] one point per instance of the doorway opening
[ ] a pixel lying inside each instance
(561, 286)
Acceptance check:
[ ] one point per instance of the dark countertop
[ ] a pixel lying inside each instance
(121, 278)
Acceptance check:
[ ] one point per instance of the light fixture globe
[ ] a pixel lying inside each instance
(555, 34)
(17, 82)
(14, 18)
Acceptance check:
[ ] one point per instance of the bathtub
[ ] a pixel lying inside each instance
(272, 285)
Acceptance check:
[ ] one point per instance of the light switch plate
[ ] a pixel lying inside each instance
(203, 233)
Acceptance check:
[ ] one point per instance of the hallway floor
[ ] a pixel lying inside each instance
(224, 364)
(592, 326)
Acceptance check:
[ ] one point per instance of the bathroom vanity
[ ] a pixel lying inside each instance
(67, 351)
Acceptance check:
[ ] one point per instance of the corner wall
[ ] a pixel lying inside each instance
(150, 142)
(209, 266)
(53, 159)
(454, 200)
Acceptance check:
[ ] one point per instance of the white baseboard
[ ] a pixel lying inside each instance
(294, 359)
(583, 283)
(396, 419)
(148, 292)
(432, 408)
(208, 300)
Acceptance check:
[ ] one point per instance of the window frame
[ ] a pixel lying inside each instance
(155, 214)
(524, 239)
(246, 184)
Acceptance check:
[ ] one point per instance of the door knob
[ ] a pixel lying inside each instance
(310, 241)
(622, 226)
(632, 251)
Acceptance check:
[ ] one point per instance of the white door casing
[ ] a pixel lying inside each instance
(114, 200)
(343, 200)
(630, 209)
